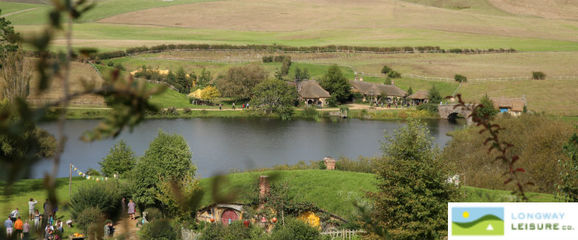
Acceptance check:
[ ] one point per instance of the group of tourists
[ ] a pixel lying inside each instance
(243, 107)
(16, 226)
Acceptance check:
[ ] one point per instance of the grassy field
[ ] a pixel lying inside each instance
(34, 188)
(117, 24)
(81, 74)
(335, 191)
(558, 97)
(10, 7)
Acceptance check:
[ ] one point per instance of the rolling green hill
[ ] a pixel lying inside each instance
(336, 191)
(115, 24)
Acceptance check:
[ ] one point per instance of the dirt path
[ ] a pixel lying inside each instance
(126, 227)
(18, 12)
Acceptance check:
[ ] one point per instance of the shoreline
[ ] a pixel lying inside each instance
(75, 113)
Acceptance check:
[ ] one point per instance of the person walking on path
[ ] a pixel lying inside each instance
(14, 215)
(31, 207)
(18, 227)
(9, 227)
(26, 230)
(233, 106)
(36, 219)
(131, 209)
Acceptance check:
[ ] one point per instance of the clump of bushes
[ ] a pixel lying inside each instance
(538, 75)
(538, 141)
(233, 232)
(310, 113)
(394, 74)
(89, 216)
(278, 58)
(96, 197)
(362, 164)
(460, 78)
(295, 229)
(158, 229)
(390, 73)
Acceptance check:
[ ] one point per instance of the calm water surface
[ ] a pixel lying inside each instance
(220, 145)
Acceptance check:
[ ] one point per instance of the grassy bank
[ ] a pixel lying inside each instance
(336, 191)
(333, 191)
(213, 112)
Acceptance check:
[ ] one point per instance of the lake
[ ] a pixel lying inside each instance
(220, 145)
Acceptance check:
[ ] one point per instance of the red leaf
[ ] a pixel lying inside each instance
(515, 158)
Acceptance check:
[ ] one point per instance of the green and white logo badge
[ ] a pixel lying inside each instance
(477, 221)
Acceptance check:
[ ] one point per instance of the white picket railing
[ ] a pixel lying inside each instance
(342, 234)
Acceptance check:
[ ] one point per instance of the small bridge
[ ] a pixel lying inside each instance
(453, 111)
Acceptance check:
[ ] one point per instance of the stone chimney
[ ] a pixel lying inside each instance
(329, 163)
(264, 187)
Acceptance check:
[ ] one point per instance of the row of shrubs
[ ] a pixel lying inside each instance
(328, 48)
(279, 58)
(282, 48)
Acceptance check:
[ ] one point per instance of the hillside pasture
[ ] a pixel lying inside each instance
(475, 6)
(553, 9)
(80, 74)
(9, 8)
(434, 65)
(558, 97)
(300, 15)
(117, 24)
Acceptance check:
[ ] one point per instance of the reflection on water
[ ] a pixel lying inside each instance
(220, 144)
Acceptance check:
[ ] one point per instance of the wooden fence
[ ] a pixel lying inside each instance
(342, 234)
(496, 79)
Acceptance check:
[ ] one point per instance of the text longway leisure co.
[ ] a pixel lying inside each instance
(538, 216)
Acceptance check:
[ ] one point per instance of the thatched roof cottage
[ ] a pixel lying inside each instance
(312, 93)
(513, 106)
(375, 90)
(419, 97)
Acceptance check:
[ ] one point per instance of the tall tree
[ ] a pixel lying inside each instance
(9, 39)
(203, 79)
(239, 82)
(568, 186)
(434, 95)
(168, 158)
(274, 96)
(285, 66)
(120, 160)
(183, 81)
(411, 202)
(487, 109)
(210, 93)
(336, 84)
(15, 75)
